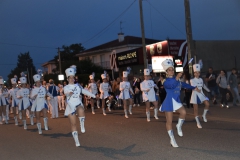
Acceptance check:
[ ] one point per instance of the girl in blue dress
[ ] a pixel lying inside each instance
(172, 101)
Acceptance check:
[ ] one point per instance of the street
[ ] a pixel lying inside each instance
(115, 137)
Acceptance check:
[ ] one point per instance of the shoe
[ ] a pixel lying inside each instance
(199, 126)
(93, 112)
(227, 106)
(39, 128)
(204, 118)
(45, 123)
(151, 107)
(138, 105)
(173, 143)
(222, 105)
(82, 119)
(134, 105)
(104, 114)
(179, 130)
(126, 116)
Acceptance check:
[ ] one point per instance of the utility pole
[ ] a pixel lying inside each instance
(191, 49)
(59, 60)
(143, 36)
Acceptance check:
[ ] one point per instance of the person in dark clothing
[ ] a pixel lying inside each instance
(187, 92)
(212, 85)
(137, 91)
(162, 91)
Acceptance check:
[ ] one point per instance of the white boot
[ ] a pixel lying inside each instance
(20, 114)
(1, 120)
(45, 120)
(75, 136)
(6, 120)
(104, 112)
(98, 104)
(204, 115)
(126, 115)
(148, 116)
(198, 122)
(16, 120)
(179, 127)
(24, 124)
(93, 110)
(39, 128)
(130, 109)
(156, 113)
(82, 119)
(172, 139)
(31, 120)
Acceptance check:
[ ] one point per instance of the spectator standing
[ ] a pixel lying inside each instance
(232, 81)
(222, 82)
(212, 85)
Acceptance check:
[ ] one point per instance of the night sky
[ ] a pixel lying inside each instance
(40, 26)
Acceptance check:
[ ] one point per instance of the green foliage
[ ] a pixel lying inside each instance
(24, 64)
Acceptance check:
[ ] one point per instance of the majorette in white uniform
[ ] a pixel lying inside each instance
(199, 97)
(23, 96)
(92, 87)
(172, 101)
(149, 95)
(72, 92)
(104, 89)
(38, 94)
(13, 97)
(3, 100)
(125, 90)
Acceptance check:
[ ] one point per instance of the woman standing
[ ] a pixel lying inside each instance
(3, 101)
(222, 83)
(23, 96)
(199, 97)
(104, 89)
(188, 92)
(13, 98)
(136, 88)
(172, 101)
(233, 83)
(148, 94)
(125, 89)
(74, 103)
(38, 94)
(92, 87)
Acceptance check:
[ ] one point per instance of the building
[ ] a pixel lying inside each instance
(49, 67)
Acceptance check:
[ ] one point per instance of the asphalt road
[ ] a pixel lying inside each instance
(115, 137)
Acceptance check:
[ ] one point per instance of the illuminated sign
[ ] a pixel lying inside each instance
(127, 58)
(157, 63)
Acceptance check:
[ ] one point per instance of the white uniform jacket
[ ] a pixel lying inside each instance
(3, 97)
(104, 89)
(13, 96)
(125, 89)
(24, 102)
(74, 100)
(148, 95)
(39, 102)
(92, 87)
(198, 97)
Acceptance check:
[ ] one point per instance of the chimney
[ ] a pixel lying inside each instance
(120, 37)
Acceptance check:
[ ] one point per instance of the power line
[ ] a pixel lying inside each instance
(165, 18)
(110, 23)
(22, 45)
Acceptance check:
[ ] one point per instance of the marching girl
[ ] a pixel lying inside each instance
(125, 89)
(3, 101)
(148, 94)
(23, 96)
(74, 103)
(38, 94)
(92, 87)
(172, 101)
(13, 96)
(104, 89)
(199, 97)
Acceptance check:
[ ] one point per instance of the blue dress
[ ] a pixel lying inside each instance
(172, 101)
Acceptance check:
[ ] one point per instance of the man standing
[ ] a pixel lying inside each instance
(53, 90)
(212, 85)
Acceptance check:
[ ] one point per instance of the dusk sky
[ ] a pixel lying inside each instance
(40, 26)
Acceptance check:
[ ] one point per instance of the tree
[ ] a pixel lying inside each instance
(69, 54)
(24, 64)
